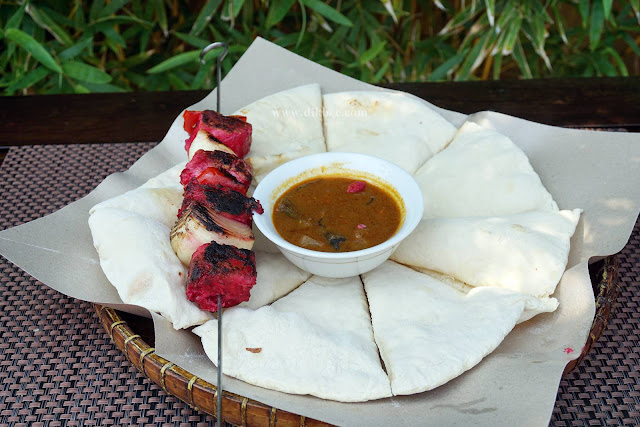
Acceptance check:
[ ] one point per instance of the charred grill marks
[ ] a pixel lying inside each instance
(213, 139)
(229, 201)
(202, 214)
(216, 120)
(225, 158)
(221, 270)
(214, 253)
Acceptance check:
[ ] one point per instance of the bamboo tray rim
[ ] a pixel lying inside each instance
(239, 410)
(189, 388)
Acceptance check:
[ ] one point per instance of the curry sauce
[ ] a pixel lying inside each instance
(336, 214)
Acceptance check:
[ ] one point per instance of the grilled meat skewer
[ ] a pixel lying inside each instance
(213, 233)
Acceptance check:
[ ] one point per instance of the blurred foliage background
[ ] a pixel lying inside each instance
(120, 45)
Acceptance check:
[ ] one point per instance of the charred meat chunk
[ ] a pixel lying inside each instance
(220, 270)
(227, 202)
(215, 168)
(232, 131)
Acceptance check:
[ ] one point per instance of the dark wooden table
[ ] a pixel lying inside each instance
(142, 117)
(607, 103)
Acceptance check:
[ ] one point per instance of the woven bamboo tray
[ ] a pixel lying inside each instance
(196, 392)
(239, 410)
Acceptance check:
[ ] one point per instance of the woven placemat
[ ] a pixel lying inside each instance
(58, 366)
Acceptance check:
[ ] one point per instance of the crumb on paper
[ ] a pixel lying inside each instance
(254, 349)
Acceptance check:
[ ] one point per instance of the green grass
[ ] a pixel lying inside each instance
(120, 45)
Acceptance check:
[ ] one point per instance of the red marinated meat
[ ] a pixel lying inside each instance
(232, 131)
(191, 119)
(229, 203)
(220, 270)
(215, 168)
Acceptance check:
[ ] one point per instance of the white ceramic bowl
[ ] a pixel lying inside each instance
(351, 165)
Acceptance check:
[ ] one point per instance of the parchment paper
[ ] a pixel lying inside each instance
(515, 385)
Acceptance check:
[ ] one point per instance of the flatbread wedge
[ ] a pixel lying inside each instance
(481, 173)
(286, 125)
(276, 278)
(137, 258)
(158, 204)
(532, 309)
(525, 252)
(390, 125)
(317, 340)
(159, 198)
(429, 333)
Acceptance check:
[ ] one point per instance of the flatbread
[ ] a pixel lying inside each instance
(167, 179)
(317, 337)
(136, 256)
(317, 340)
(286, 125)
(525, 252)
(429, 333)
(481, 173)
(390, 125)
(159, 198)
(532, 309)
(276, 278)
(159, 204)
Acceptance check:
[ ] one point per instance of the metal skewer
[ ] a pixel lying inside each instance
(219, 60)
(219, 385)
(219, 310)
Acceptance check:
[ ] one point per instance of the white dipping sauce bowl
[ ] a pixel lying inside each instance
(348, 165)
